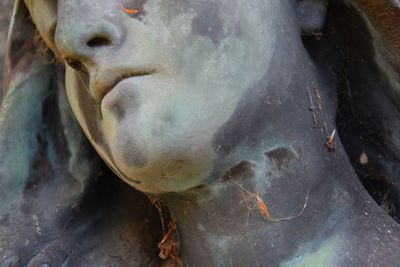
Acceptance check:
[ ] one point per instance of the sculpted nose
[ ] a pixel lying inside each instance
(83, 45)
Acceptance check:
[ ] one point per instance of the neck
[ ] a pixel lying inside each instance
(277, 182)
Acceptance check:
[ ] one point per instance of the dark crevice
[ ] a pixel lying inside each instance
(366, 108)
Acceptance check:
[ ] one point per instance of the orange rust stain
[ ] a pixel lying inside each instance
(127, 10)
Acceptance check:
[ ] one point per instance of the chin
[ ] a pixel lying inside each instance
(162, 173)
(159, 177)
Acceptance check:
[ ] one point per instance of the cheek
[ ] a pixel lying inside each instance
(210, 37)
(76, 97)
(83, 106)
(182, 114)
(208, 21)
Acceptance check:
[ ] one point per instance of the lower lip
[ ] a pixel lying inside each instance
(123, 93)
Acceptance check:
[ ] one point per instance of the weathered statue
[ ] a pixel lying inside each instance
(220, 111)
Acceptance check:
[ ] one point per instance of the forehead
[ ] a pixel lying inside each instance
(231, 7)
(214, 19)
(206, 15)
(72, 7)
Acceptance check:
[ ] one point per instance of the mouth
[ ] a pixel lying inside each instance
(106, 82)
(102, 91)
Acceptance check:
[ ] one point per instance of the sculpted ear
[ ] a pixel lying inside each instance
(311, 14)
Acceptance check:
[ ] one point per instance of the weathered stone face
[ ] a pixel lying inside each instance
(152, 89)
(155, 87)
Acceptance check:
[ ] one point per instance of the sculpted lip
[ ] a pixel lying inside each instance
(120, 76)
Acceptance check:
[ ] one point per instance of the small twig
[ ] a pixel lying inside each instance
(297, 215)
(171, 229)
(169, 245)
(264, 210)
(332, 136)
(312, 108)
(241, 187)
(330, 145)
(317, 35)
(319, 102)
(156, 202)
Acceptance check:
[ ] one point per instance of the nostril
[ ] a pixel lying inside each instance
(75, 64)
(99, 41)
